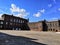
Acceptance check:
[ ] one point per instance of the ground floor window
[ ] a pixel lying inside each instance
(16, 28)
(0, 26)
(19, 28)
(53, 29)
(56, 30)
(13, 28)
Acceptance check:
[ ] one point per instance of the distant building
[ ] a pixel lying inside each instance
(53, 25)
(10, 22)
(45, 26)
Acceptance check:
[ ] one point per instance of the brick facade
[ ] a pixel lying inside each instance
(11, 22)
(45, 25)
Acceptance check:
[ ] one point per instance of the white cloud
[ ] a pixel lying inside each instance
(42, 10)
(20, 12)
(1, 11)
(38, 14)
(0, 15)
(58, 9)
(14, 8)
(54, 1)
(49, 5)
(54, 18)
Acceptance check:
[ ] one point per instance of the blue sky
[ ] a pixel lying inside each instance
(35, 10)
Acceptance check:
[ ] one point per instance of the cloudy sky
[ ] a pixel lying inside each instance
(35, 10)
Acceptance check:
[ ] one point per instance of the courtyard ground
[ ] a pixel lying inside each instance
(11, 37)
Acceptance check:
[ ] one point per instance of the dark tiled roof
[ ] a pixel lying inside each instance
(13, 16)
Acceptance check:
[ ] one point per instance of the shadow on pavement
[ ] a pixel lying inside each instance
(6, 39)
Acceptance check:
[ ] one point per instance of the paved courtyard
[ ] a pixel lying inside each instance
(12, 37)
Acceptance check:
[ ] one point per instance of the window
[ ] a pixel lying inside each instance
(17, 20)
(6, 22)
(50, 24)
(10, 23)
(21, 21)
(16, 28)
(13, 28)
(53, 24)
(11, 20)
(53, 29)
(14, 20)
(0, 26)
(1, 22)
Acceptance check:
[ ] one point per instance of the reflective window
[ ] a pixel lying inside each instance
(6, 22)
(1, 22)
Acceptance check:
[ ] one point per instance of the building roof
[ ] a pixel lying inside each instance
(14, 16)
(53, 21)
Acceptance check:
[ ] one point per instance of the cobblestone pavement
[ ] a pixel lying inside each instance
(8, 37)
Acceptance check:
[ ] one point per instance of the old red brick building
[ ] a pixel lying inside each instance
(38, 26)
(10, 22)
(45, 25)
